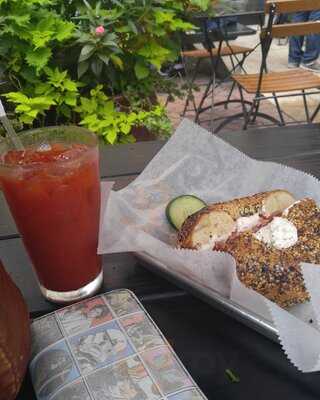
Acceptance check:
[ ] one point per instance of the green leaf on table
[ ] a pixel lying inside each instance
(232, 376)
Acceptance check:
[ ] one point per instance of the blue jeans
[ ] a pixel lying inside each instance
(312, 50)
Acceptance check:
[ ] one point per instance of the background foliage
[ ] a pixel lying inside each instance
(69, 61)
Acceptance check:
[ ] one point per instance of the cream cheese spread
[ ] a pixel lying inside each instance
(246, 223)
(279, 233)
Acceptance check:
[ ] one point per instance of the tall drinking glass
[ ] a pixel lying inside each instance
(53, 191)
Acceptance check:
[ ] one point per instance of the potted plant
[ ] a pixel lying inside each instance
(91, 63)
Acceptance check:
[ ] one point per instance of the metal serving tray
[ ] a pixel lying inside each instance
(212, 297)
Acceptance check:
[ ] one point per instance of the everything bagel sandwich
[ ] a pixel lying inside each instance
(216, 223)
(269, 234)
(268, 259)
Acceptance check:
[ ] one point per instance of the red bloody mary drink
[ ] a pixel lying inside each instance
(53, 190)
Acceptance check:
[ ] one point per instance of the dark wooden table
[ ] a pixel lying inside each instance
(207, 341)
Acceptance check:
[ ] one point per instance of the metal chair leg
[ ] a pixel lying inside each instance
(203, 98)
(282, 121)
(249, 113)
(255, 112)
(239, 62)
(244, 56)
(244, 108)
(232, 63)
(211, 85)
(233, 83)
(315, 113)
(190, 95)
(212, 103)
(230, 94)
(306, 109)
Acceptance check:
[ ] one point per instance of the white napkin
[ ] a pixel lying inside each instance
(195, 162)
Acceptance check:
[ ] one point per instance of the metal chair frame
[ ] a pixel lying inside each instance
(213, 83)
(193, 76)
(251, 114)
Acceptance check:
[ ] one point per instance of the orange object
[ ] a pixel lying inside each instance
(14, 337)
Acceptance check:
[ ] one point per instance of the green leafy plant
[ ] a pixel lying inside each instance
(100, 114)
(156, 120)
(56, 92)
(99, 47)
(30, 33)
(133, 36)
(54, 53)
(29, 108)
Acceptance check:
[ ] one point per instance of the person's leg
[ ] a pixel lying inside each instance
(312, 42)
(296, 42)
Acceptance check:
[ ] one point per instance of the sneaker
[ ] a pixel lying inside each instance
(292, 65)
(314, 66)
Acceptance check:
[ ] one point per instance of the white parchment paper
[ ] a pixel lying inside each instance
(195, 162)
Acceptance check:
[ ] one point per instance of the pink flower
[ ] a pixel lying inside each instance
(100, 30)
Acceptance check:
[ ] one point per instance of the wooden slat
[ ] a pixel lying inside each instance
(127, 159)
(284, 81)
(270, 143)
(225, 51)
(290, 6)
(295, 29)
(120, 270)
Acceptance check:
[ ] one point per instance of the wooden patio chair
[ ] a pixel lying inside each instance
(237, 55)
(288, 83)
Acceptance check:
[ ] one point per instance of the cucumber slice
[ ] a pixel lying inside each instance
(180, 208)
